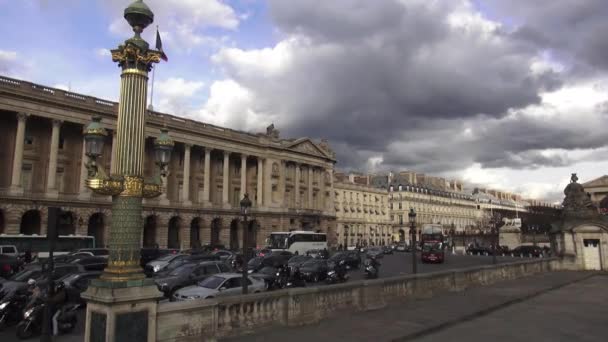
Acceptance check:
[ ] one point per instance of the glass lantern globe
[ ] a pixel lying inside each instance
(163, 146)
(245, 204)
(94, 137)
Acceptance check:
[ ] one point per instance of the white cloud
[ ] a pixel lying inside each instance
(175, 95)
(101, 52)
(8, 59)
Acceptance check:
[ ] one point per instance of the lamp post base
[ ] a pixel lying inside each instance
(119, 311)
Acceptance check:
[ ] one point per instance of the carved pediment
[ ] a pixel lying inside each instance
(598, 182)
(308, 147)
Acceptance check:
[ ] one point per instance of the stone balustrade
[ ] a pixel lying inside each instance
(231, 316)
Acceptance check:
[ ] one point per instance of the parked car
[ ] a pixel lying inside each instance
(155, 266)
(91, 263)
(77, 283)
(262, 252)
(275, 259)
(479, 250)
(99, 252)
(318, 253)
(9, 250)
(189, 274)
(352, 258)
(314, 270)
(38, 273)
(387, 249)
(283, 256)
(298, 260)
(9, 265)
(528, 251)
(375, 252)
(224, 255)
(179, 260)
(219, 285)
(268, 274)
(402, 247)
(150, 254)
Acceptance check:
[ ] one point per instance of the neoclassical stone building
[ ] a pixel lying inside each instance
(362, 214)
(42, 152)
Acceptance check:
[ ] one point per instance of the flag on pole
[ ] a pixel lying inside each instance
(159, 46)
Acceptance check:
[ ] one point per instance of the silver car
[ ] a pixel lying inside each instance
(219, 285)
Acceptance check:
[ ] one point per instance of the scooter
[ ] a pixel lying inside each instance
(337, 274)
(33, 319)
(371, 272)
(11, 310)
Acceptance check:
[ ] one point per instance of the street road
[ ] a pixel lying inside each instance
(391, 265)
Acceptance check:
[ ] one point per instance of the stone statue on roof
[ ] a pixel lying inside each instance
(577, 203)
(272, 132)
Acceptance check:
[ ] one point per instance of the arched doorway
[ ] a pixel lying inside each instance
(401, 235)
(30, 223)
(149, 239)
(234, 234)
(216, 226)
(1, 222)
(96, 229)
(66, 223)
(195, 232)
(252, 231)
(173, 232)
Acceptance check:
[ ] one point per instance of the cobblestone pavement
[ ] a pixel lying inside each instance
(524, 309)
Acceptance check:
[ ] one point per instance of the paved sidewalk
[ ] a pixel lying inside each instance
(416, 319)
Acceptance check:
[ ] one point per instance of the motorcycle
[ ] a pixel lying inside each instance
(337, 274)
(11, 310)
(371, 271)
(33, 319)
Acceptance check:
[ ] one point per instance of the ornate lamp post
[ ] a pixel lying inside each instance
(123, 280)
(494, 240)
(412, 217)
(245, 205)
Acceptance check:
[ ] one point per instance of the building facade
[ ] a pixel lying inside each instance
(597, 189)
(42, 148)
(362, 214)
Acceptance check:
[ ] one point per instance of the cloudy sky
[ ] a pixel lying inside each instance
(507, 93)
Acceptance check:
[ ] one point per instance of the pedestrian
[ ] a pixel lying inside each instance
(27, 257)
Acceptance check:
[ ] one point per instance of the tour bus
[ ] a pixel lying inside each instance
(297, 241)
(38, 245)
(433, 243)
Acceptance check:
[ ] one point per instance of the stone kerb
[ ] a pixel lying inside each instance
(240, 315)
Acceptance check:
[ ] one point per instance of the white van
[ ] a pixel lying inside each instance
(9, 250)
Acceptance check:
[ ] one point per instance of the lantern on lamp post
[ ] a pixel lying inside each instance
(412, 218)
(245, 206)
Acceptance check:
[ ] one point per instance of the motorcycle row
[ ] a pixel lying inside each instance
(25, 309)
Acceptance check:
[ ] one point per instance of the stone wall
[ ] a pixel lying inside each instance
(211, 319)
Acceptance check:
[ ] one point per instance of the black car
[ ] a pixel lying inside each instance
(479, 250)
(149, 254)
(268, 274)
(98, 252)
(387, 249)
(77, 283)
(184, 259)
(297, 260)
(527, 251)
(224, 255)
(188, 274)
(352, 258)
(314, 270)
(91, 263)
(9, 265)
(36, 272)
(318, 253)
(283, 256)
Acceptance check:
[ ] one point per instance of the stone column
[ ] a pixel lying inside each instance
(113, 156)
(207, 178)
(260, 184)
(16, 186)
(321, 203)
(268, 182)
(332, 195)
(310, 188)
(51, 179)
(186, 180)
(297, 186)
(243, 175)
(282, 176)
(84, 193)
(225, 180)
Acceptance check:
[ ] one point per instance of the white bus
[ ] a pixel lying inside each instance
(297, 242)
(38, 245)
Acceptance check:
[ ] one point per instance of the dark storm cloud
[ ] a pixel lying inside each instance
(384, 78)
(571, 28)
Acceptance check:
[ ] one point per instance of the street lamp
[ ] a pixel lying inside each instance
(412, 217)
(245, 205)
(494, 234)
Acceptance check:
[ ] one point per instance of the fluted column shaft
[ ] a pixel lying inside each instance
(186, 181)
(243, 175)
(18, 155)
(310, 190)
(113, 156)
(297, 186)
(260, 184)
(51, 178)
(207, 176)
(268, 182)
(226, 179)
(332, 195)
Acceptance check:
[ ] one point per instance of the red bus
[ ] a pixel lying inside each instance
(433, 244)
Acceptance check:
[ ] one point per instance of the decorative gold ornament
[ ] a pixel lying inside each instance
(105, 186)
(134, 71)
(133, 186)
(152, 190)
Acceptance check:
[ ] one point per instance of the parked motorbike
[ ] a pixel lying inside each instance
(11, 310)
(33, 319)
(295, 279)
(371, 270)
(337, 274)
